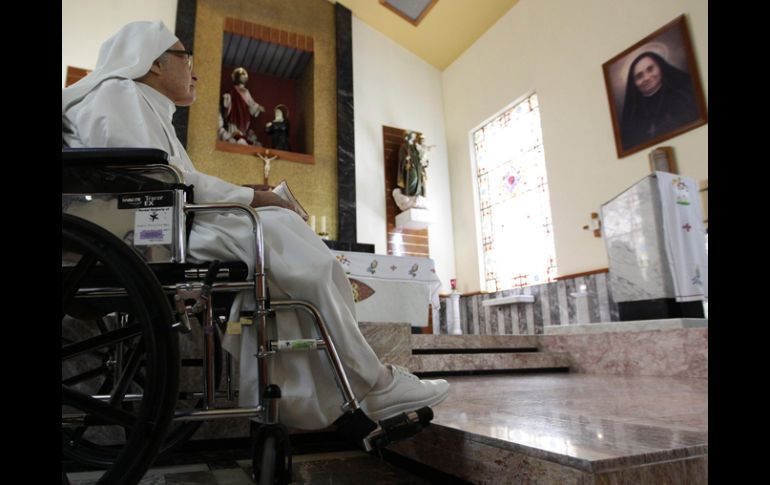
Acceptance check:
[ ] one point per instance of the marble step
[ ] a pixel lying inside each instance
(473, 341)
(464, 363)
(567, 429)
(394, 344)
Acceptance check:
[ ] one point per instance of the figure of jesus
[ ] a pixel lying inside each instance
(267, 159)
(237, 110)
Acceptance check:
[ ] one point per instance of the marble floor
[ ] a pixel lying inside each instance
(577, 428)
(579, 415)
(569, 428)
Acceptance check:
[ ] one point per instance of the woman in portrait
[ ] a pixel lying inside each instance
(659, 99)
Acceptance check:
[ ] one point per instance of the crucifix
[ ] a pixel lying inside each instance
(267, 159)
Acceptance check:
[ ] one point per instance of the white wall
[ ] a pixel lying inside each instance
(557, 48)
(85, 24)
(394, 87)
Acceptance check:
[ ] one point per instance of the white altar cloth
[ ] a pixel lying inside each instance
(404, 287)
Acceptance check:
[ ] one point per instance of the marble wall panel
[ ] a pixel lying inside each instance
(390, 341)
(693, 471)
(553, 305)
(671, 353)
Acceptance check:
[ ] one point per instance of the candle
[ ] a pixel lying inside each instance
(312, 223)
(323, 225)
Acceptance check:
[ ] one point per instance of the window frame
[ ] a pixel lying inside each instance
(476, 197)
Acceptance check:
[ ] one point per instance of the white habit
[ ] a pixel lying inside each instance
(109, 109)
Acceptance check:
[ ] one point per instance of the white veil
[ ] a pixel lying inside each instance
(128, 55)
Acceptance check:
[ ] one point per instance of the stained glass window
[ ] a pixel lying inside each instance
(516, 229)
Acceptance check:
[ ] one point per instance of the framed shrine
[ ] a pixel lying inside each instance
(266, 93)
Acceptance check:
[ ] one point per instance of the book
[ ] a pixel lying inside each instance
(284, 192)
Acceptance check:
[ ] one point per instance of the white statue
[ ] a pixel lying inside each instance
(267, 160)
(406, 202)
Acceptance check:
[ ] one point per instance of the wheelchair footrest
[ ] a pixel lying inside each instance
(354, 426)
(398, 428)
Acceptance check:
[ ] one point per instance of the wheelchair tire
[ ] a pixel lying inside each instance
(145, 340)
(268, 468)
(271, 455)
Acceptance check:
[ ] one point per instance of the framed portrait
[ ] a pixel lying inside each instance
(654, 89)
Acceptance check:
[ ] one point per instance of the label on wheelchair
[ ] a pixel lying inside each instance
(153, 226)
(146, 199)
(153, 216)
(149, 222)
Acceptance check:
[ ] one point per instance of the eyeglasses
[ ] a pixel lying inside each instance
(189, 55)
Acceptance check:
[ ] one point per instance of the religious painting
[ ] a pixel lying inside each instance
(654, 89)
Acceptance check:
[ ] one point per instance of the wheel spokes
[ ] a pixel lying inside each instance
(127, 376)
(85, 376)
(76, 435)
(99, 409)
(112, 337)
(76, 276)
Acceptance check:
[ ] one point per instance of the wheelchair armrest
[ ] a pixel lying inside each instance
(100, 169)
(112, 156)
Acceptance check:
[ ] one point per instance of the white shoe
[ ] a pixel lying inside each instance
(406, 392)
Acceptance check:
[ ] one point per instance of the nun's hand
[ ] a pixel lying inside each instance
(265, 198)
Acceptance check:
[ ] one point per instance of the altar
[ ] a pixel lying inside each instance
(393, 288)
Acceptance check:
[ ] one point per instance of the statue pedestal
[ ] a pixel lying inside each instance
(414, 219)
(454, 326)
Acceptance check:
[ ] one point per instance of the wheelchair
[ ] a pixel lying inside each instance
(129, 296)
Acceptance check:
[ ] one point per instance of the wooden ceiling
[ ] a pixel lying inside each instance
(448, 29)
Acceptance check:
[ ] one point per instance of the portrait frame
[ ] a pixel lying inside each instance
(662, 160)
(636, 131)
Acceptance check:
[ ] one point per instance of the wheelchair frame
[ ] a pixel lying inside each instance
(354, 424)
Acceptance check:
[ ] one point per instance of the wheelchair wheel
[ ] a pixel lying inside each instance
(268, 468)
(98, 453)
(271, 455)
(120, 361)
